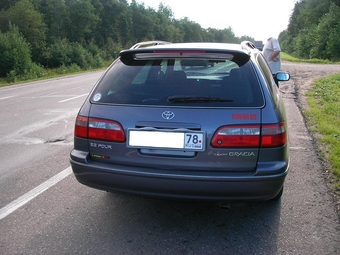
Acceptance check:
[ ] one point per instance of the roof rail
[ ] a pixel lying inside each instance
(249, 46)
(148, 43)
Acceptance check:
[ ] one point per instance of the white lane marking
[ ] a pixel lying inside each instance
(16, 204)
(62, 101)
(2, 98)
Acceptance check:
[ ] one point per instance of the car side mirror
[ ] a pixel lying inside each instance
(282, 76)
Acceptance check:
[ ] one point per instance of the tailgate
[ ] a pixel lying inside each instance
(183, 142)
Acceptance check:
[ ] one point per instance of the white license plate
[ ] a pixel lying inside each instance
(176, 140)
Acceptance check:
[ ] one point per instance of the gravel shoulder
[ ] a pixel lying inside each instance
(302, 76)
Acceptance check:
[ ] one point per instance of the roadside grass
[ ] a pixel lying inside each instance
(323, 119)
(51, 73)
(286, 57)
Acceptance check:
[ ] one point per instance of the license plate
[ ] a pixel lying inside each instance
(172, 139)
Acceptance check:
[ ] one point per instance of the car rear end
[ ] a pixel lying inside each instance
(192, 121)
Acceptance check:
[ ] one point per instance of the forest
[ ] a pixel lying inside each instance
(313, 30)
(36, 35)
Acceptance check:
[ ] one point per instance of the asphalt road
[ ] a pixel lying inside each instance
(44, 210)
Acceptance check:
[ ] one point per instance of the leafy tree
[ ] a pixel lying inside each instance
(143, 24)
(305, 41)
(295, 25)
(56, 17)
(171, 33)
(124, 23)
(66, 53)
(228, 36)
(225, 36)
(312, 11)
(82, 20)
(123, 2)
(30, 23)
(312, 31)
(163, 27)
(111, 49)
(191, 31)
(327, 43)
(283, 36)
(115, 23)
(5, 4)
(15, 57)
(95, 31)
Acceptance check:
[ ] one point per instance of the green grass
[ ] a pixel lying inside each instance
(323, 119)
(286, 57)
(50, 73)
(323, 116)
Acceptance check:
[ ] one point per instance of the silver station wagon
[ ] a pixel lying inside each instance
(187, 121)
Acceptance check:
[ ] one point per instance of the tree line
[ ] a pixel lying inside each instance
(36, 35)
(40, 34)
(313, 30)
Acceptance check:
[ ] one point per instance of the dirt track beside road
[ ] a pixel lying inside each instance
(302, 76)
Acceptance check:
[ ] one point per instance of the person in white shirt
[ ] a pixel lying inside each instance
(271, 52)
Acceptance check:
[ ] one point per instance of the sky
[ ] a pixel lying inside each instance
(259, 19)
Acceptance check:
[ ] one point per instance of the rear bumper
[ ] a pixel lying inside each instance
(179, 184)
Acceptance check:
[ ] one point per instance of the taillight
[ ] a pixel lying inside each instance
(250, 136)
(107, 130)
(80, 129)
(274, 135)
(237, 136)
(99, 129)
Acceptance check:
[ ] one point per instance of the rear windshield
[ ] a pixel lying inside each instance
(194, 82)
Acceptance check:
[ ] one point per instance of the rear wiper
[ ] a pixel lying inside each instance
(197, 99)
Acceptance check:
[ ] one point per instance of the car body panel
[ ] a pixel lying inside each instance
(200, 119)
(186, 185)
(153, 113)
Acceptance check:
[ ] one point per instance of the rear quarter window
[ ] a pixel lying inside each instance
(173, 82)
(272, 87)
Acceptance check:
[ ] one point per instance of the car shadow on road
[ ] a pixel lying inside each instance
(155, 226)
(102, 223)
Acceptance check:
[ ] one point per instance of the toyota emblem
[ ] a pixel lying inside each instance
(168, 115)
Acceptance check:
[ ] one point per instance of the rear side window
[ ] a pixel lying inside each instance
(273, 88)
(194, 82)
